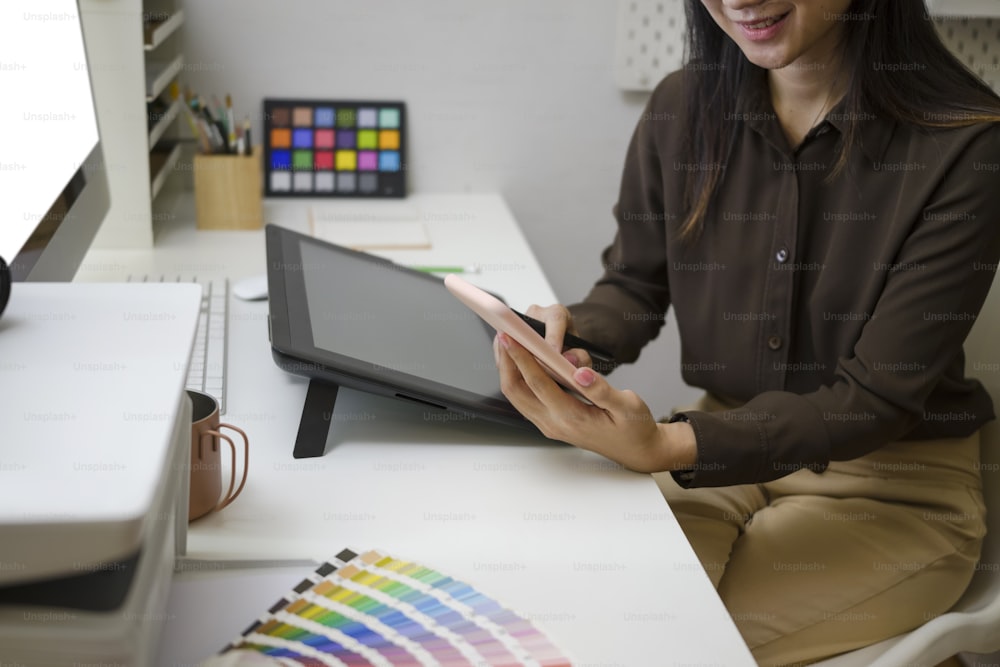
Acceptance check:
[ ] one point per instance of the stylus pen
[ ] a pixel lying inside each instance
(447, 269)
(569, 340)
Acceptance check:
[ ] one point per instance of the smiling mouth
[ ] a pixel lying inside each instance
(764, 23)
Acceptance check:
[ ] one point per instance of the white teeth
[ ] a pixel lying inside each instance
(763, 24)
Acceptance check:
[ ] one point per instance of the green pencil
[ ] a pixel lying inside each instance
(447, 269)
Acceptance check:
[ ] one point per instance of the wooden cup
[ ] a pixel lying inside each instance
(227, 192)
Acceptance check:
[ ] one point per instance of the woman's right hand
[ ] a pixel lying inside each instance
(558, 322)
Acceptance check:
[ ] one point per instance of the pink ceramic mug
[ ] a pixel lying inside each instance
(206, 458)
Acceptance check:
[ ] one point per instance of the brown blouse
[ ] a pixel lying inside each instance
(836, 310)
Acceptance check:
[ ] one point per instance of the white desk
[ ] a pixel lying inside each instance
(586, 550)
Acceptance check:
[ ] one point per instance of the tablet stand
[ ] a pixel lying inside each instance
(317, 414)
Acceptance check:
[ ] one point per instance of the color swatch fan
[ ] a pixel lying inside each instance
(331, 148)
(371, 609)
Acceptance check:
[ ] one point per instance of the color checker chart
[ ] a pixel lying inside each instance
(315, 148)
(372, 609)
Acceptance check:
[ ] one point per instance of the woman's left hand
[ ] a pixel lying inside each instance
(618, 424)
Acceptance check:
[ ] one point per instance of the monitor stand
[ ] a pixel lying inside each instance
(317, 414)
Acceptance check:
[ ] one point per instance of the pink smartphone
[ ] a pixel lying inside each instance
(499, 316)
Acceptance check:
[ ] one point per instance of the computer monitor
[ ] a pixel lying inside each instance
(53, 180)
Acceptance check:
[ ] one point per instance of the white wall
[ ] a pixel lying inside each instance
(510, 96)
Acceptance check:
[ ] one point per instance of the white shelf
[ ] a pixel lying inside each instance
(160, 166)
(160, 74)
(161, 125)
(154, 36)
(147, 34)
(964, 7)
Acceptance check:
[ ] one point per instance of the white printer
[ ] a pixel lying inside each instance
(95, 431)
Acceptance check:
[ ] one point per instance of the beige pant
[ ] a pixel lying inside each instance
(812, 565)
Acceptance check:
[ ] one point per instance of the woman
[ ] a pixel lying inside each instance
(815, 196)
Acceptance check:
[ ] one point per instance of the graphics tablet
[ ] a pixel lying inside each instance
(351, 319)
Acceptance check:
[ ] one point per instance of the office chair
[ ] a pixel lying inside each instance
(973, 624)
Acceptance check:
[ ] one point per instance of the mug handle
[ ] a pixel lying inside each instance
(230, 496)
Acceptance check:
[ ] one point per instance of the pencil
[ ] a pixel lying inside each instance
(247, 146)
(447, 269)
(231, 123)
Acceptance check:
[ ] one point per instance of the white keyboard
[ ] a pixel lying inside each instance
(207, 370)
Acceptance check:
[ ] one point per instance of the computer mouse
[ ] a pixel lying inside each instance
(253, 288)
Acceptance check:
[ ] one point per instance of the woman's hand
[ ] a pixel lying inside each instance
(558, 323)
(618, 424)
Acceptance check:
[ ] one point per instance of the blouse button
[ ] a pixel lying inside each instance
(774, 342)
(781, 256)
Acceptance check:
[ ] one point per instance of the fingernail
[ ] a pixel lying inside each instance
(585, 376)
(572, 358)
(504, 341)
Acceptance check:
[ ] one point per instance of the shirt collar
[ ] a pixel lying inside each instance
(875, 130)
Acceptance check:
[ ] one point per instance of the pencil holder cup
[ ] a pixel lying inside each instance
(227, 191)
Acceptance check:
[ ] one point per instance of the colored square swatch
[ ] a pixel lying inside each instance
(367, 139)
(324, 181)
(280, 117)
(281, 159)
(388, 118)
(302, 116)
(367, 117)
(347, 160)
(302, 138)
(302, 159)
(325, 138)
(347, 181)
(346, 139)
(324, 160)
(368, 183)
(388, 161)
(281, 137)
(388, 140)
(346, 117)
(324, 117)
(281, 181)
(367, 161)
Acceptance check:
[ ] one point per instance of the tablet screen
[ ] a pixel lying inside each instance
(376, 312)
(356, 320)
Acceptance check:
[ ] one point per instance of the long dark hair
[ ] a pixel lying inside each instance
(936, 90)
